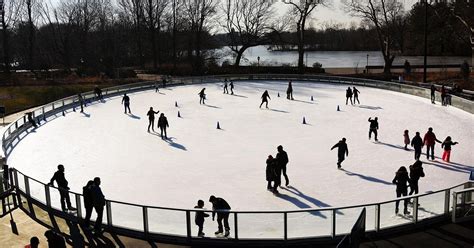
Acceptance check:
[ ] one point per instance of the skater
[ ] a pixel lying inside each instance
(54, 240)
(417, 144)
(447, 143)
(98, 200)
(199, 219)
(374, 126)
(430, 140)
(63, 188)
(220, 206)
(156, 87)
(31, 120)
(416, 171)
(163, 124)
(34, 242)
(433, 93)
(407, 67)
(98, 93)
(80, 99)
(349, 95)
(202, 96)
(271, 174)
(443, 95)
(342, 151)
(356, 93)
(126, 103)
(289, 91)
(151, 119)
(282, 161)
(265, 97)
(406, 139)
(401, 179)
(88, 202)
(226, 91)
(231, 87)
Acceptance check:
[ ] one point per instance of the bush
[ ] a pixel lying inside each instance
(317, 65)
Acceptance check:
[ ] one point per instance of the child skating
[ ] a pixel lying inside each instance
(202, 96)
(406, 139)
(447, 143)
(265, 97)
(199, 219)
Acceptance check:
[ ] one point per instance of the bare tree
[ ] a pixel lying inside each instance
(32, 11)
(383, 15)
(155, 10)
(246, 23)
(464, 12)
(10, 11)
(302, 10)
(198, 13)
(135, 10)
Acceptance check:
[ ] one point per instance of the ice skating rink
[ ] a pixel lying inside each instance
(199, 160)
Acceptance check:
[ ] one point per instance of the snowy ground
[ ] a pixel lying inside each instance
(200, 160)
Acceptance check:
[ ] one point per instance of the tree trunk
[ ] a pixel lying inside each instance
(388, 64)
(240, 53)
(31, 37)
(152, 33)
(6, 55)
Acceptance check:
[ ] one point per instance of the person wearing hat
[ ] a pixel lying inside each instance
(221, 207)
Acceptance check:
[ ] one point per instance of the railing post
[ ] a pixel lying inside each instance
(455, 206)
(48, 195)
(415, 209)
(236, 226)
(285, 225)
(27, 186)
(108, 206)
(145, 220)
(78, 205)
(377, 217)
(333, 223)
(446, 201)
(188, 224)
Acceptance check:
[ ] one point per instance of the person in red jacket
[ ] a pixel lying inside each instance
(430, 140)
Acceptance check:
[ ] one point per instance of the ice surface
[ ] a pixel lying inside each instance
(200, 160)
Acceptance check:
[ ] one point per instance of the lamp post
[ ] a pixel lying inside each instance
(367, 66)
(426, 41)
(258, 61)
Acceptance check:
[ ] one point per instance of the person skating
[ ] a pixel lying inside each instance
(231, 85)
(226, 91)
(80, 99)
(63, 188)
(289, 91)
(406, 139)
(374, 126)
(199, 219)
(349, 95)
(151, 119)
(433, 93)
(88, 201)
(221, 207)
(430, 140)
(202, 96)
(401, 179)
(443, 95)
(31, 120)
(282, 161)
(270, 171)
(417, 144)
(98, 200)
(447, 143)
(126, 103)
(265, 97)
(163, 124)
(416, 171)
(342, 151)
(356, 93)
(98, 93)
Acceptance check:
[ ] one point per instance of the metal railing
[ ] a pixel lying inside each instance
(463, 205)
(274, 225)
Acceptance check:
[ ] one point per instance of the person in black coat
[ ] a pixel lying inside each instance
(54, 240)
(433, 93)
(98, 199)
(401, 179)
(126, 103)
(349, 95)
(356, 93)
(282, 161)
(374, 126)
(270, 171)
(98, 93)
(342, 151)
(88, 201)
(417, 144)
(265, 97)
(221, 206)
(202, 96)
(31, 120)
(416, 171)
(199, 219)
(289, 91)
(62, 187)
(226, 91)
(163, 124)
(151, 119)
(80, 99)
(231, 85)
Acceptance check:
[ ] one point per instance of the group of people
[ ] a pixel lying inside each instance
(220, 207)
(92, 193)
(445, 96)
(53, 238)
(429, 140)
(231, 85)
(275, 168)
(354, 92)
(403, 180)
(162, 122)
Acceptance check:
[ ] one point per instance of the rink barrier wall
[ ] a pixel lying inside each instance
(380, 220)
(20, 128)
